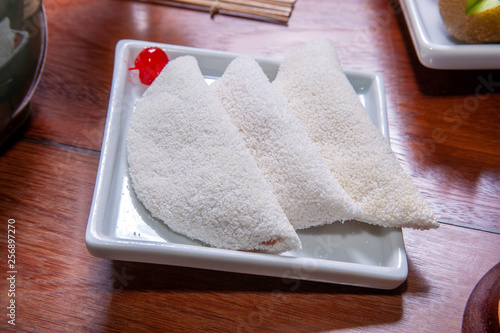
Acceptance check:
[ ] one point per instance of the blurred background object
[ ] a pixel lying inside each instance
(23, 43)
(278, 11)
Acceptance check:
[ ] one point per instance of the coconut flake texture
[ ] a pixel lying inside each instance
(190, 167)
(315, 89)
(289, 160)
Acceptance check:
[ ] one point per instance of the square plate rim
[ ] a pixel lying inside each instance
(437, 56)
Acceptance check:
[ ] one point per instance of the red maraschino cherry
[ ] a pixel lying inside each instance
(150, 62)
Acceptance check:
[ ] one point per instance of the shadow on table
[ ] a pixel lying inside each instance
(213, 300)
(449, 137)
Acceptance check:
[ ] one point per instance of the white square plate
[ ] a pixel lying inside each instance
(120, 228)
(436, 48)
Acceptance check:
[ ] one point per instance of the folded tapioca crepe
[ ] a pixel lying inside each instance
(190, 167)
(289, 160)
(316, 90)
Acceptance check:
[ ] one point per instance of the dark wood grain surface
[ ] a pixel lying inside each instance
(444, 129)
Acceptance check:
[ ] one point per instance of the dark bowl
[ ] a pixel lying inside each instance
(23, 44)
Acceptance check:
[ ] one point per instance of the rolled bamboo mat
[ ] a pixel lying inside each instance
(271, 10)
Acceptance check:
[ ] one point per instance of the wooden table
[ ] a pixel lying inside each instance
(47, 177)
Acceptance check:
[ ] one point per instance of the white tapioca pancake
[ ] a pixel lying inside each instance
(306, 189)
(316, 90)
(190, 167)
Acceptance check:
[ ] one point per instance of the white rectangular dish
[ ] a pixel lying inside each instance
(436, 48)
(120, 228)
